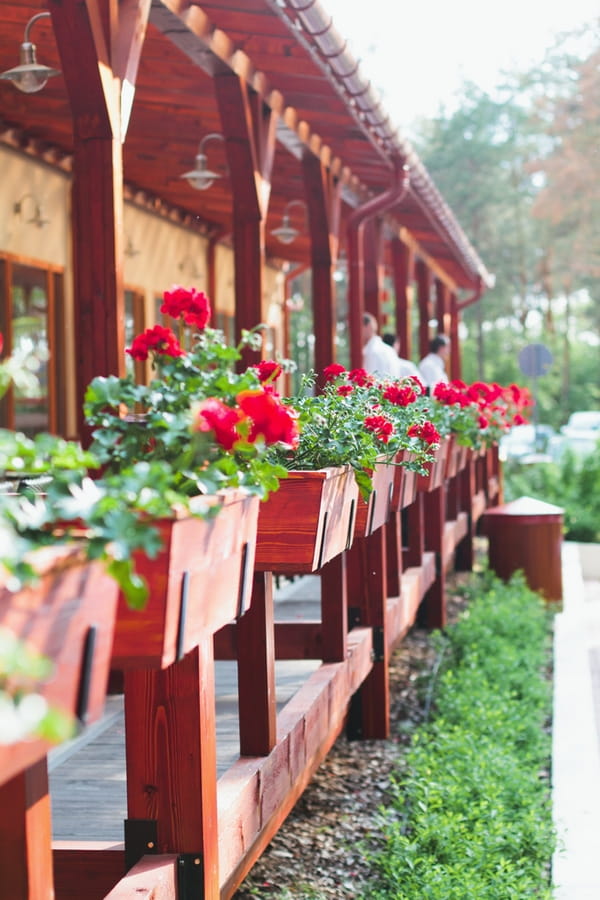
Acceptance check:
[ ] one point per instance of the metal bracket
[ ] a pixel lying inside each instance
(323, 536)
(183, 608)
(438, 564)
(190, 876)
(378, 654)
(85, 674)
(353, 616)
(372, 513)
(351, 517)
(141, 839)
(244, 575)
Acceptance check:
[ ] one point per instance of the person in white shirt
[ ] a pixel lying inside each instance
(432, 369)
(378, 358)
(407, 367)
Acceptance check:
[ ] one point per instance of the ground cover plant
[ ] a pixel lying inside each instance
(471, 814)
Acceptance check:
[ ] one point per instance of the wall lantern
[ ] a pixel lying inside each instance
(286, 233)
(200, 177)
(36, 216)
(29, 76)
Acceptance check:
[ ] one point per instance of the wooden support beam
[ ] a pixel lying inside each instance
(423, 276)
(455, 361)
(153, 878)
(403, 265)
(25, 836)
(435, 518)
(334, 609)
(371, 269)
(393, 544)
(171, 757)
(256, 671)
(369, 715)
(87, 869)
(464, 557)
(442, 307)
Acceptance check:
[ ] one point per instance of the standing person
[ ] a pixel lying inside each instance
(407, 367)
(432, 368)
(378, 358)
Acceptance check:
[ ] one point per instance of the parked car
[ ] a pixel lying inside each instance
(582, 432)
(527, 443)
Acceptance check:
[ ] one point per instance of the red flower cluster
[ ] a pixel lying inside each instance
(497, 406)
(399, 396)
(268, 370)
(330, 373)
(259, 414)
(360, 377)
(381, 427)
(213, 415)
(344, 390)
(159, 340)
(1, 342)
(426, 431)
(193, 305)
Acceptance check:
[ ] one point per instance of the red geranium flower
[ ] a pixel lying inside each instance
(268, 370)
(345, 389)
(426, 431)
(270, 419)
(399, 396)
(360, 377)
(1, 342)
(213, 415)
(193, 305)
(380, 426)
(333, 371)
(158, 339)
(482, 422)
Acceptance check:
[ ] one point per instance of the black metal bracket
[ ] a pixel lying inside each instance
(353, 616)
(378, 643)
(183, 608)
(323, 537)
(141, 839)
(372, 513)
(438, 564)
(352, 516)
(244, 575)
(85, 674)
(190, 876)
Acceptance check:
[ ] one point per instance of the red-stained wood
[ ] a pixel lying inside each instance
(423, 278)
(455, 362)
(334, 610)
(323, 199)
(153, 878)
(367, 598)
(171, 757)
(126, 50)
(442, 307)
(465, 556)
(436, 470)
(299, 640)
(435, 517)
(414, 539)
(199, 581)
(308, 521)
(255, 795)
(527, 534)
(25, 836)
(87, 869)
(371, 270)
(72, 605)
(374, 513)
(256, 671)
(402, 264)
(393, 549)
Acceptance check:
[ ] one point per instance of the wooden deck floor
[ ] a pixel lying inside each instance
(89, 773)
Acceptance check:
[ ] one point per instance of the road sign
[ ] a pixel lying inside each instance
(535, 360)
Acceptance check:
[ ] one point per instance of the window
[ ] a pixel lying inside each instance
(29, 295)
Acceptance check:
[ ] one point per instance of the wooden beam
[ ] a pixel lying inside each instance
(403, 266)
(153, 878)
(424, 301)
(25, 836)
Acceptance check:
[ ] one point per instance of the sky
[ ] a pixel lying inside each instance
(418, 54)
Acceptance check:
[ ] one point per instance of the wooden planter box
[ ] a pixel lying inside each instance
(436, 470)
(200, 580)
(68, 616)
(405, 483)
(372, 515)
(456, 457)
(308, 521)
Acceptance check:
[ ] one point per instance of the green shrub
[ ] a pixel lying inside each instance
(471, 815)
(573, 484)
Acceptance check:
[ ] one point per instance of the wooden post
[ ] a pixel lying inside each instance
(369, 715)
(371, 269)
(171, 757)
(435, 518)
(455, 363)
(402, 262)
(464, 558)
(256, 671)
(25, 836)
(415, 537)
(424, 300)
(393, 544)
(334, 609)
(323, 199)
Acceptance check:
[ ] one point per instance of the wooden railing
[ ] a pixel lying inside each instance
(189, 835)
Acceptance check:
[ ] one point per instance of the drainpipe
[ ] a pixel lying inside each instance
(355, 229)
(475, 296)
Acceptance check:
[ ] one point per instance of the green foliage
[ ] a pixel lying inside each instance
(573, 484)
(471, 816)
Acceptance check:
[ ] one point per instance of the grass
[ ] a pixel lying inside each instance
(471, 814)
